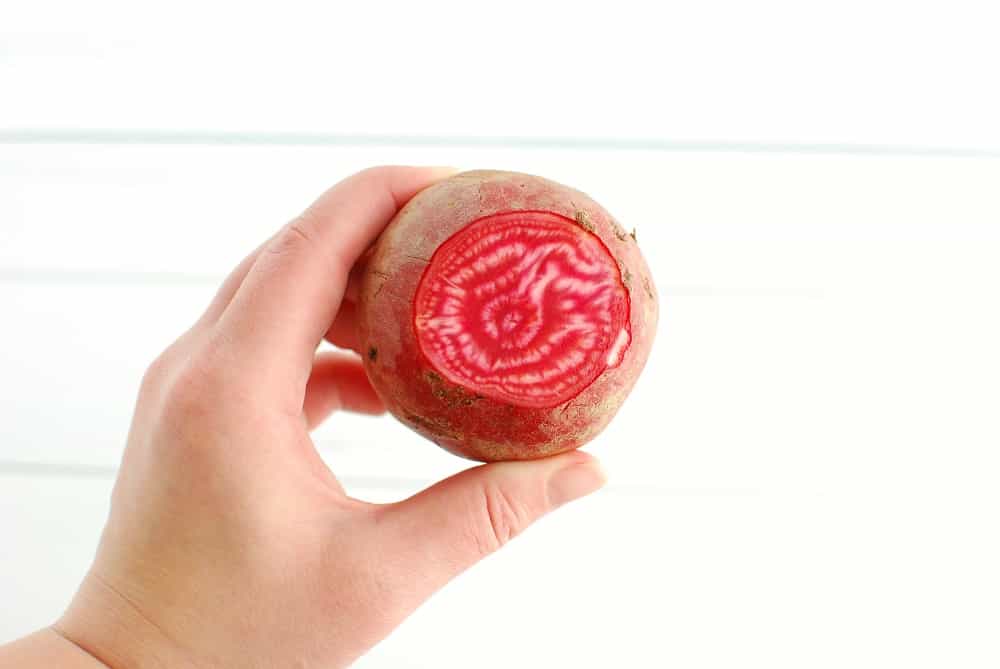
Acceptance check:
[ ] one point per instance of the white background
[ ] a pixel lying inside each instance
(806, 474)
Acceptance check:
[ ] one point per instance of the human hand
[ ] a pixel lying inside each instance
(230, 543)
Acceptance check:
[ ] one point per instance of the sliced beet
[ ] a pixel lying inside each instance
(511, 315)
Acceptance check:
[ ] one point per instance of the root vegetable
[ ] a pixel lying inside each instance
(505, 316)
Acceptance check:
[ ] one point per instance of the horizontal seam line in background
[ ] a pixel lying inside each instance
(209, 137)
(49, 276)
(99, 276)
(82, 471)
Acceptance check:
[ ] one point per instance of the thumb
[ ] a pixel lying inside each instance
(445, 529)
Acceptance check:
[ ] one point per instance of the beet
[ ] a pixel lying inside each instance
(505, 316)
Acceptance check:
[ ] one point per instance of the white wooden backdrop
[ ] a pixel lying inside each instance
(806, 474)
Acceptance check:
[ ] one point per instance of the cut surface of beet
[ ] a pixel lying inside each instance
(527, 307)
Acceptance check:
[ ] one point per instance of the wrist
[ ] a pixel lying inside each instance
(46, 648)
(109, 628)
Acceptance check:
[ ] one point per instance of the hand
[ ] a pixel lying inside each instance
(230, 543)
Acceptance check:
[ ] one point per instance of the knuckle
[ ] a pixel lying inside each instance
(296, 235)
(192, 388)
(189, 401)
(502, 520)
(156, 374)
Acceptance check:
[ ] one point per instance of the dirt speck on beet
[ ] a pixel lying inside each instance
(583, 220)
(627, 278)
(619, 230)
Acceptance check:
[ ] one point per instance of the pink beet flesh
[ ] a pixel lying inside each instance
(525, 307)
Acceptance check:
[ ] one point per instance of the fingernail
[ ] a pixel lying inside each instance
(575, 481)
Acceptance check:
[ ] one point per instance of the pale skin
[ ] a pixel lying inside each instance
(230, 543)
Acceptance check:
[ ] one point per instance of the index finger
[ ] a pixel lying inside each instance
(293, 291)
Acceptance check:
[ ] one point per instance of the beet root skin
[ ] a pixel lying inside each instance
(456, 416)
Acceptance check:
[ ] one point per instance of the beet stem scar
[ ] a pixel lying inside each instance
(526, 307)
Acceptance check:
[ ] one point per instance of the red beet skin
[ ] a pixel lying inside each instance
(505, 316)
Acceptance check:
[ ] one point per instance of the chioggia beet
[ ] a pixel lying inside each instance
(504, 316)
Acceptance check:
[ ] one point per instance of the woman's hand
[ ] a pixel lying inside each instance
(230, 543)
